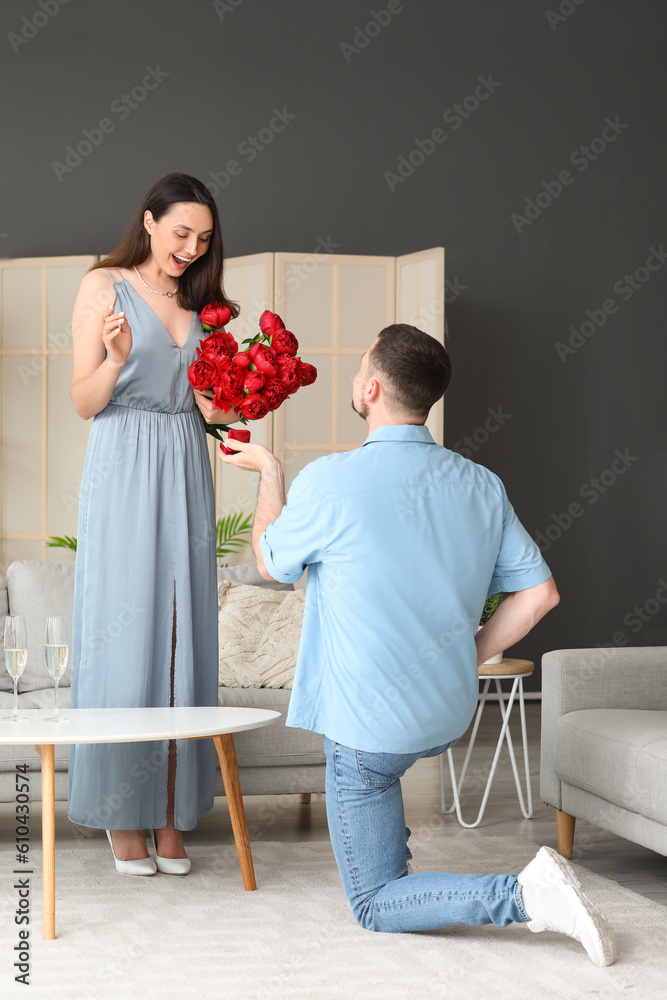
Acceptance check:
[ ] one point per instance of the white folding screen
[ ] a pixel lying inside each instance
(335, 304)
(43, 438)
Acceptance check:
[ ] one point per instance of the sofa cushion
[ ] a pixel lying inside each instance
(619, 754)
(248, 573)
(39, 590)
(6, 683)
(259, 631)
(44, 698)
(276, 745)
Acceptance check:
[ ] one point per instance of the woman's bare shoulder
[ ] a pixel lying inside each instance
(98, 278)
(96, 292)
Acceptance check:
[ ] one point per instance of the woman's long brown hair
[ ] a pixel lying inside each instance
(201, 282)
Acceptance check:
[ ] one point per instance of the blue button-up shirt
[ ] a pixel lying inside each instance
(403, 541)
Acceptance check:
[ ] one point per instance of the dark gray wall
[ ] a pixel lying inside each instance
(516, 289)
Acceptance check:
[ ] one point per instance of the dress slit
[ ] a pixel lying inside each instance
(171, 774)
(173, 654)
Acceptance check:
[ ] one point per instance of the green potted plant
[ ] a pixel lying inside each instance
(491, 604)
(229, 534)
(66, 542)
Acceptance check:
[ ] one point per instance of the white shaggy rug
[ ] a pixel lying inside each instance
(203, 935)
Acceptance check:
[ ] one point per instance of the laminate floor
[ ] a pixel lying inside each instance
(283, 818)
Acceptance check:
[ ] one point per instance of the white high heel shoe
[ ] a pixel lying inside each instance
(170, 866)
(138, 866)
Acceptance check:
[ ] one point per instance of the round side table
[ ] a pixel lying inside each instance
(508, 669)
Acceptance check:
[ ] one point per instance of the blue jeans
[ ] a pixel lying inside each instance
(369, 839)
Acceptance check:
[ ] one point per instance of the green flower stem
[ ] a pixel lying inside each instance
(213, 429)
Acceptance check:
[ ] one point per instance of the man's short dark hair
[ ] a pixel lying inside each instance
(415, 368)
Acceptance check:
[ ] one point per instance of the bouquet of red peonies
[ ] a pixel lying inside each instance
(251, 382)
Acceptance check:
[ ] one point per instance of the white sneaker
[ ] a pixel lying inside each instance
(554, 901)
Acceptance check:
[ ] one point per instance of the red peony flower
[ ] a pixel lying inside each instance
(217, 344)
(260, 359)
(309, 373)
(254, 407)
(228, 384)
(274, 393)
(202, 374)
(290, 371)
(270, 323)
(241, 359)
(215, 315)
(254, 381)
(284, 342)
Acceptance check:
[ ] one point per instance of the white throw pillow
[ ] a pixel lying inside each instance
(259, 631)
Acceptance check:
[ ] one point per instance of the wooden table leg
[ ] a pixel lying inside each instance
(48, 839)
(565, 827)
(224, 744)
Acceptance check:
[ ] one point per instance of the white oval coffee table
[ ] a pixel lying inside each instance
(122, 725)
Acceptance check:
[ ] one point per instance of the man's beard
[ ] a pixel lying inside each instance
(363, 412)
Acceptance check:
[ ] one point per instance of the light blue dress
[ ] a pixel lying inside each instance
(145, 554)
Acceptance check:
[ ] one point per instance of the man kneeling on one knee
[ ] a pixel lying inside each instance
(404, 540)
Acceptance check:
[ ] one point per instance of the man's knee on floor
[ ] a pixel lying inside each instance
(365, 917)
(365, 912)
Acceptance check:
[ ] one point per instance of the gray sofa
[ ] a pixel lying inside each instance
(604, 742)
(271, 760)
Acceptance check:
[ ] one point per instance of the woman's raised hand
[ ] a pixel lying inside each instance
(117, 337)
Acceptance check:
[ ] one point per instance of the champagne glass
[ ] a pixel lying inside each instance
(56, 654)
(16, 657)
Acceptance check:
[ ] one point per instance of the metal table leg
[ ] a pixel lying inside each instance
(504, 735)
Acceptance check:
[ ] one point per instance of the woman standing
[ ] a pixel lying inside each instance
(145, 591)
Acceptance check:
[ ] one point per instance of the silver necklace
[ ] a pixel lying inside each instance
(168, 294)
